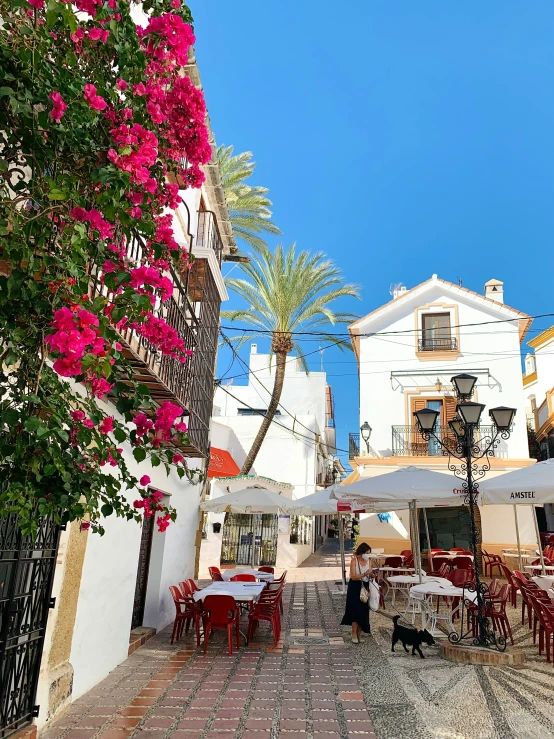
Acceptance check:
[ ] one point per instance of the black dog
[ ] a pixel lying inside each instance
(412, 637)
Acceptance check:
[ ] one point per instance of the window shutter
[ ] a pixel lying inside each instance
(450, 404)
(416, 440)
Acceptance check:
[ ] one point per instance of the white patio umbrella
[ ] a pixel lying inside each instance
(241, 482)
(527, 486)
(412, 487)
(252, 501)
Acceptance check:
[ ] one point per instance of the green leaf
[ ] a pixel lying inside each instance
(155, 460)
(32, 424)
(49, 469)
(119, 434)
(62, 434)
(106, 510)
(56, 194)
(139, 454)
(10, 416)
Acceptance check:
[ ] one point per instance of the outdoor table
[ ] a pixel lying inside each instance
(382, 555)
(241, 591)
(548, 568)
(425, 593)
(402, 584)
(263, 576)
(545, 582)
(451, 555)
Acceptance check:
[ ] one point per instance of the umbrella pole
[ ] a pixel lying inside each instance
(427, 533)
(416, 546)
(253, 552)
(342, 558)
(517, 536)
(537, 532)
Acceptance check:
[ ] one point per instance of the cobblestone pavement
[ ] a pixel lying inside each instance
(315, 684)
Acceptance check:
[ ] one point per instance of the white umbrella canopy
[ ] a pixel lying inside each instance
(394, 490)
(255, 500)
(527, 486)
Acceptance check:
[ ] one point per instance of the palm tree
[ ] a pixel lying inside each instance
(287, 293)
(248, 206)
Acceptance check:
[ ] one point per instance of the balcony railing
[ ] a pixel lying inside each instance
(193, 310)
(207, 234)
(408, 442)
(447, 343)
(325, 479)
(353, 445)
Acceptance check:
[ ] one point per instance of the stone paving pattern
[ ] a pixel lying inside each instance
(315, 683)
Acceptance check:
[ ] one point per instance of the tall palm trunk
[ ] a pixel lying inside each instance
(280, 365)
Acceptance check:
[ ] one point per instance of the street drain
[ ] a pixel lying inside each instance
(311, 640)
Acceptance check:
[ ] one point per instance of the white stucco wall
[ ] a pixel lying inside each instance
(103, 622)
(492, 352)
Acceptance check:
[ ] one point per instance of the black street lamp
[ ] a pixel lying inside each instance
(365, 431)
(468, 448)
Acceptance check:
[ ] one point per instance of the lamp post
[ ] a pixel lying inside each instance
(464, 452)
(365, 431)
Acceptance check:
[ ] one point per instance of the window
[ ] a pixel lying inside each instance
(436, 333)
(300, 529)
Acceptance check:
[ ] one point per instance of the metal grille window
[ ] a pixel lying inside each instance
(26, 576)
(242, 531)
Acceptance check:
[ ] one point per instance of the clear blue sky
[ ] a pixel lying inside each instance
(402, 138)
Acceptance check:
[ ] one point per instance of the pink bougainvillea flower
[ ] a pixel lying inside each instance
(95, 101)
(88, 423)
(175, 4)
(138, 504)
(181, 426)
(85, 525)
(106, 425)
(38, 4)
(77, 415)
(98, 34)
(178, 458)
(58, 106)
(163, 522)
(144, 480)
(121, 84)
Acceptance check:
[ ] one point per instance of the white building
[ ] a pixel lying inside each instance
(538, 384)
(108, 587)
(298, 449)
(408, 350)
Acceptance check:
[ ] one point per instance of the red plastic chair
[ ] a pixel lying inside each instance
(184, 612)
(409, 561)
(266, 609)
(185, 589)
(266, 568)
(515, 587)
(538, 571)
(243, 578)
(438, 562)
(490, 562)
(444, 570)
(495, 609)
(523, 585)
(215, 574)
(406, 553)
(221, 612)
(462, 563)
(544, 615)
(393, 562)
(192, 585)
(457, 549)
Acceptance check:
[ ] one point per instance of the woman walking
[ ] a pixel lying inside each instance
(356, 613)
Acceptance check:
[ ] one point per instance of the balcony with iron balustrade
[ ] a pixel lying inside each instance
(407, 441)
(193, 311)
(444, 343)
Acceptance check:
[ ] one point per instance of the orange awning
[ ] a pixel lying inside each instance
(222, 464)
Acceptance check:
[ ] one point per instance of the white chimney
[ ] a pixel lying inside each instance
(253, 349)
(398, 290)
(494, 289)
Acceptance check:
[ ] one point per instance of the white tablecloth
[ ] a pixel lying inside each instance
(420, 592)
(548, 568)
(264, 576)
(396, 569)
(545, 582)
(239, 590)
(414, 579)
(451, 555)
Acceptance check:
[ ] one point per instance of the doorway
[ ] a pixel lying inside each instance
(448, 527)
(142, 572)
(241, 531)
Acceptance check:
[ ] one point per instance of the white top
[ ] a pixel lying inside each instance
(239, 590)
(414, 579)
(419, 592)
(264, 576)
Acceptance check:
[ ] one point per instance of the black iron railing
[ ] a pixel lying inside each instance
(428, 344)
(193, 311)
(353, 445)
(207, 234)
(408, 442)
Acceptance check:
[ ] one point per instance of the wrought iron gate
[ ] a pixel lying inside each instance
(26, 576)
(142, 571)
(241, 531)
